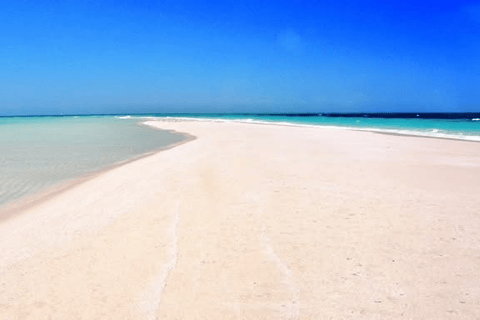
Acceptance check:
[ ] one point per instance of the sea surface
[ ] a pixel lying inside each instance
(40, 153)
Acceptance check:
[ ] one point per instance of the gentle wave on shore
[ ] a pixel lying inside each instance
(38, 153)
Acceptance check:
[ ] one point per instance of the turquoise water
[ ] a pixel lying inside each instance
(38, 153)
(462, 129)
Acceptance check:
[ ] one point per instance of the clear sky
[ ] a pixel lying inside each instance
(121, 56)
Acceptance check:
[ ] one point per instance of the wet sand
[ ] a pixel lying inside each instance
(256, 222)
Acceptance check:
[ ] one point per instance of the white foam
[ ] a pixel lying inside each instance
(123, 117)
(476, 119)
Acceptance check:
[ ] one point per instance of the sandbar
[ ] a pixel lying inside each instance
(252, 221)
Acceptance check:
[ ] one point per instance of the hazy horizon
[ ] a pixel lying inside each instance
(121, 57)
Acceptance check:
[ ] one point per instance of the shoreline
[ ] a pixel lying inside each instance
(419, 136)
(257, 222)
(333, 127)
(10, 209)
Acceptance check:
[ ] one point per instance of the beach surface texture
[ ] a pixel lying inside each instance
(253, 221)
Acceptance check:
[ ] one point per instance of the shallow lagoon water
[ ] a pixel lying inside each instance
(38, 153)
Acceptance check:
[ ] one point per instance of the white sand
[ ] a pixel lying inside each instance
(257, 222)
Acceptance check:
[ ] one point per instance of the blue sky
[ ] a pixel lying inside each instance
(238, 56)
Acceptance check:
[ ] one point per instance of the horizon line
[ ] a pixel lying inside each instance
(384, 114)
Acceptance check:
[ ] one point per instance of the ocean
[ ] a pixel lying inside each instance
(38, 154)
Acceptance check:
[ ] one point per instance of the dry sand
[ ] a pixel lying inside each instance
(257, 222)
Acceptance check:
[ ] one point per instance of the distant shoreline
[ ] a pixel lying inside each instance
(419, 136)
(405, 132)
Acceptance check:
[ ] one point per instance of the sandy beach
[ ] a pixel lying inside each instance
(256, 222)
